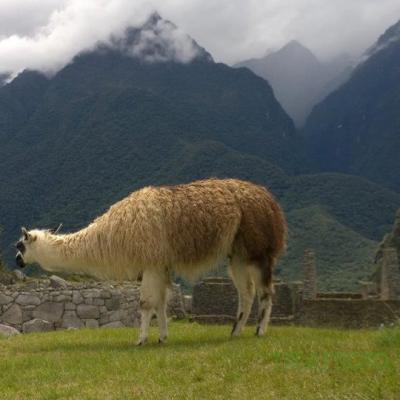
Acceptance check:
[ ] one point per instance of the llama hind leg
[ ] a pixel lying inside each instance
(153, 293)
(265, 290)
(243, 281)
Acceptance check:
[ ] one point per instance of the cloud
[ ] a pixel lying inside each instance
(73, 26)
(46, 34)
(76, 25)
(233, 30)
(162, 41)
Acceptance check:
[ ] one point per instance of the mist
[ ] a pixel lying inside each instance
(45, 35)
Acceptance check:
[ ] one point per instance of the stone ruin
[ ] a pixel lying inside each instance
(52, 304)
(300, 303)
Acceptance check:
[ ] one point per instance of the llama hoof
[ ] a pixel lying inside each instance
(162, 340)
(259, 332)
(234, 331)
(141, 342)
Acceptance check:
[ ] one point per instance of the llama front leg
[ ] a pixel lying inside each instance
(162, 321)
(153, 294)
(146, 313)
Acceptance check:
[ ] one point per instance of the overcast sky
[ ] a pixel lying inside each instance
(46, 34)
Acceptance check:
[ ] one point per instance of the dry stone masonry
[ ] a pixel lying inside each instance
(390, 275)
(45, 305)
(215, 300)
(310, 275)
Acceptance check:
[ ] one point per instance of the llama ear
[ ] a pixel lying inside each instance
(25, 232)
(27, 236)
(56, 230)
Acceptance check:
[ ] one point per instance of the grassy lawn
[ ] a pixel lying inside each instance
(201, 362)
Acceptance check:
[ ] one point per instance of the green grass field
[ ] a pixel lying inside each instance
(201, 362)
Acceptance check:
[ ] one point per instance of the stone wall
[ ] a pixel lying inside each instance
(38, 305)
(215, 300)
(342, 313)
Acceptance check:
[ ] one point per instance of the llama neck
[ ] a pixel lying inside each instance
(66, 253)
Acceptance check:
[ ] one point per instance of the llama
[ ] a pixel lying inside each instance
(186, 230)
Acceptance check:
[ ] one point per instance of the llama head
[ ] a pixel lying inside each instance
(31, 246)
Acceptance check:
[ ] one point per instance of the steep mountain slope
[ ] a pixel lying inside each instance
(298, 78)
(357, 128)
(110, 122)
(3, 79)
(340, 266)
(363, 206)
(19, 100)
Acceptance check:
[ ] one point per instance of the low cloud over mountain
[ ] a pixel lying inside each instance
(46, 35)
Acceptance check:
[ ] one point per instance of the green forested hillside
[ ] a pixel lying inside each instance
(356, 129)
(363, 206)
(343, 256)
(108, 123)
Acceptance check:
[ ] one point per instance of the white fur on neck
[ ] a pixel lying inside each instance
(49, 251)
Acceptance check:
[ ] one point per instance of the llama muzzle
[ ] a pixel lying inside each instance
(20, 260)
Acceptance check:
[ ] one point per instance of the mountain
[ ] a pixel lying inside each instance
(132, 113)
(356, 129)
(123, 116)
(298, 78)
(3, 79)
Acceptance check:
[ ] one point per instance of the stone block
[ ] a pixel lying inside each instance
(115, 315)
(4, 299)
(62, 298)
(113, 303)
(71, 320)
(114, 324)
(77, 297)
(8, 331)
(13, 315)
(26, 314)
(105, 294)
(28, 299)
(70, 306)
(37, 325)
(57, 282)
(91, 293)
(92, 323)
(86, 311)
(98, 302)
(49, 311)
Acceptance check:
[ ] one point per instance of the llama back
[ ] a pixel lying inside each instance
(190, 227)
